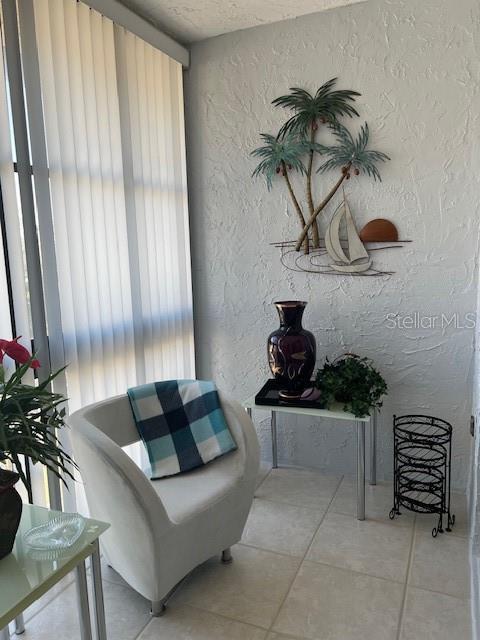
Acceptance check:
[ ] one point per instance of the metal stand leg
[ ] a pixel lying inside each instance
(360, 470)
(19, 625)
(373, 448)
(98, 604)
(274, 440)
(227, 556)
(82, 598)
(5, 633)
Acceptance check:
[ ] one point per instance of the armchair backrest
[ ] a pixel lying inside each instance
(114, 418)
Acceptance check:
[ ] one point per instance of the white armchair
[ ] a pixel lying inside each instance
(162, 529)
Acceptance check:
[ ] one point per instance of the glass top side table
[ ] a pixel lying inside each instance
(336, 412)
(26, 574)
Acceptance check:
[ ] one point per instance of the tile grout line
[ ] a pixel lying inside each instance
(224, 617)
(360, 573)
(51, 601)
(149, 621)
(439, 593)
(407, 580)
(335, 566)
(277, 553)
(264, 478)
(270, 628)
(292, 504)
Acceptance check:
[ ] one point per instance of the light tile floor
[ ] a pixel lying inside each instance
(305, 569)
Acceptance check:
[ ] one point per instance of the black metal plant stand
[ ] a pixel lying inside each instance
(422, 466)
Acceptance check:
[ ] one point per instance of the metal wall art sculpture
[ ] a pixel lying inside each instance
(344, 250)
(294, 150)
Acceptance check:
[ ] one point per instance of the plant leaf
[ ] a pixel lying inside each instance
(327, 104)
(353, 151)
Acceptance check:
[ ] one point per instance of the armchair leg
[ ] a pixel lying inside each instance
(158, 608)
(227, 556)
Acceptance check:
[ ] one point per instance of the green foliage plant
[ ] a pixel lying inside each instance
(352, 381)
(30, 419)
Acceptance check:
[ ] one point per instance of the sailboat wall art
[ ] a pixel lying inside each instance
(296, 149)
(344, 250)
(356, 260)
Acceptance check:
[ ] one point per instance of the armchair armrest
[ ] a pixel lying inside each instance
(119, 493)
(244, 434)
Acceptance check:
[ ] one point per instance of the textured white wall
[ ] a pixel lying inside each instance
(417, 65)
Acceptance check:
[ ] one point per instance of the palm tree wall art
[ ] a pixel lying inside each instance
(295, 149)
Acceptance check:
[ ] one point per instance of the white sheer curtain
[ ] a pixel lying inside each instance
(113, 112)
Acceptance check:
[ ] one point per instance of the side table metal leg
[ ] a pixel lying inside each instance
(19, 625)
(98, 603)
(82, 599)
(5, 633)
(360, 470)
(274, 440)
(373, 448)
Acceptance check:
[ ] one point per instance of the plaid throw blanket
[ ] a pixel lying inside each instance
(181, 424)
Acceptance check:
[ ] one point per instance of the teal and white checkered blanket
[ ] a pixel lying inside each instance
(181, 424)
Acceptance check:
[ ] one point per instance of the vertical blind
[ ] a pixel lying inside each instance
(151, 100)
(106, 135)
(11, 238)
(113, 111)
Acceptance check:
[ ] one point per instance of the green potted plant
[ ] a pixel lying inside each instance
(30, 416)
(352, 381)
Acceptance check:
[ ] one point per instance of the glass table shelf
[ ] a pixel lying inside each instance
(27, 574)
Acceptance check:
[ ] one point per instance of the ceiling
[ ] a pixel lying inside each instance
(193, 20)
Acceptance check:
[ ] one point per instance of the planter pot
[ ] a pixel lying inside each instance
(291, 350)
(10, 511)
(344, 398)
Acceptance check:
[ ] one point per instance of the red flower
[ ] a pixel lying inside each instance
(3, 345)
(17, 352)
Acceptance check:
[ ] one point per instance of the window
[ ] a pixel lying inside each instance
(104, 120)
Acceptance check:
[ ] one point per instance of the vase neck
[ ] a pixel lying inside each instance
(290, 314)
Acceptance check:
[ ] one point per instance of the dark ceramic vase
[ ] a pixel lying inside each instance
(10, 511)
(291, 350)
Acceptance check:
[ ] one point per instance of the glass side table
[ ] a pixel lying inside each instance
(26, 574)
(334, 413)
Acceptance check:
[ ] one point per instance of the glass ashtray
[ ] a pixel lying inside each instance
(59, 533)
